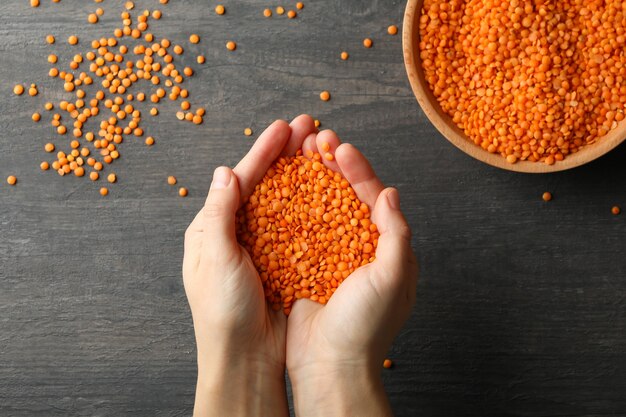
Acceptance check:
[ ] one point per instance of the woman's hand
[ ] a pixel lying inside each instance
(335, 352)
(240, 340)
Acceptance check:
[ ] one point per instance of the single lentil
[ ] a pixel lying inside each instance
(547, 196)
(616, 210)
(325, 95)
(11, 180)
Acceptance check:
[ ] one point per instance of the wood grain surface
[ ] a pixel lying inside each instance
(521, 307)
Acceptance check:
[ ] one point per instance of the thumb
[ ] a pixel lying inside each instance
(394, 256)
(220, 210)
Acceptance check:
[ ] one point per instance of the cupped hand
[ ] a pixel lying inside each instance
(240, 340)
(341, 346)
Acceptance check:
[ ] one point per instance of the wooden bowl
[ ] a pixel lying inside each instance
(443, 122)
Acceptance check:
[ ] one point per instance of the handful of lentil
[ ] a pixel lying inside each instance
(305, 230)
(531, 80)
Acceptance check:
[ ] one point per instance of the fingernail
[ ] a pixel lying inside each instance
(393, 198)
(221, 178)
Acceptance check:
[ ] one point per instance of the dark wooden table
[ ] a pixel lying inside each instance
(521, 308)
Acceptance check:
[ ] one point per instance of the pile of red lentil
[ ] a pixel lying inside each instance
(306, 231)
(531, 80)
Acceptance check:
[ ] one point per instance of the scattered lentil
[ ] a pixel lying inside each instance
(171, 180)
(104, 191)
(547, 196)
(325, 95)
(267, 13)
(219, 9)
(247, 131)
(345, 55)
(11, 180)
(183, 192)
(18, 90)
(616, 210)
(367, 42)
(387, 363)
(231, 46)
(392, 30)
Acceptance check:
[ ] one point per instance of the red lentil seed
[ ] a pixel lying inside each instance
(531, 85)
(616, 210)
(304, 248)
(547, 196)
(387, 363)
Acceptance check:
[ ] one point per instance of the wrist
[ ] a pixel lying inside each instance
(339, 389)
(239, 385)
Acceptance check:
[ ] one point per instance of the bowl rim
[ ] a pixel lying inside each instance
(445, 125)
